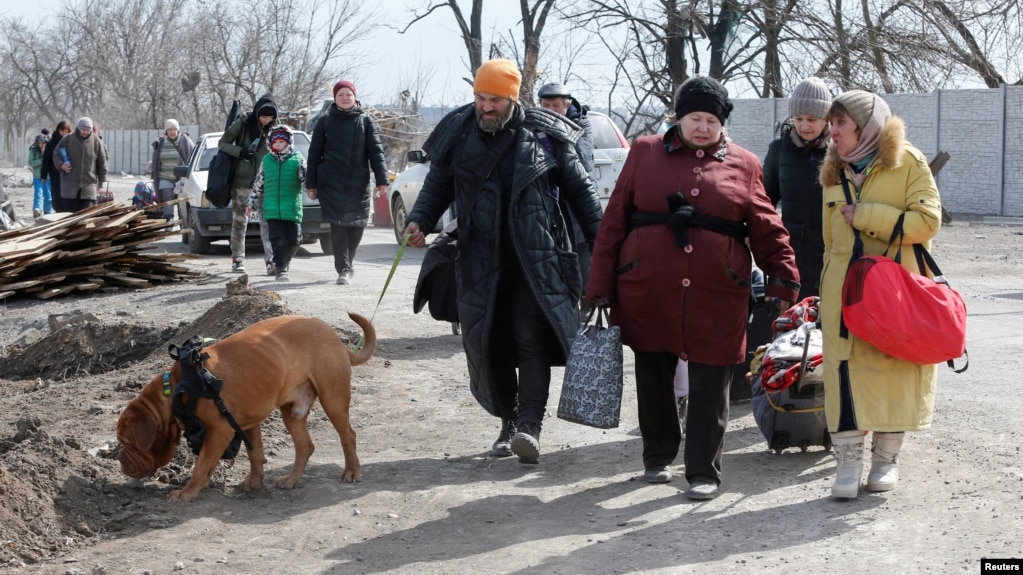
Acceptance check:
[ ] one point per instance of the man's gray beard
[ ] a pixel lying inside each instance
(493, 126)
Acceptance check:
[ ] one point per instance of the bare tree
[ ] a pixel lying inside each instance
(656, 46)
(292, 49)
(534, 20)
(471, 29)
(34, 65)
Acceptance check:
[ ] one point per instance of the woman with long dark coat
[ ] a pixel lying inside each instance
(50, 170)
(345, 146)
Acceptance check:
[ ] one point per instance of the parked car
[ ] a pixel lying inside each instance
(207, 223)
(404, 190)
(610, 148)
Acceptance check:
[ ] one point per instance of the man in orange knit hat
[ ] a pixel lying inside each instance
(506, 168)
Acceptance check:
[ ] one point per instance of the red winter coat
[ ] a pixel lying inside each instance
(685, 300)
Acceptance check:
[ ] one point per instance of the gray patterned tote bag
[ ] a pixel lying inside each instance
(592, 391)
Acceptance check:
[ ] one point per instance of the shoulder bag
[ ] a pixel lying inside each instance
(218, 181)
(905, 315)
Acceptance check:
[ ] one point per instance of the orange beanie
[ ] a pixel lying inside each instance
(499, 77)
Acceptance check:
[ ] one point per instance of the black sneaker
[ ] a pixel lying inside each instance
(502, 447)
(526, 443)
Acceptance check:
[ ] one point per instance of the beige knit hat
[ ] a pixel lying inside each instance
(810, 98)
(864, 106)
(870, 113)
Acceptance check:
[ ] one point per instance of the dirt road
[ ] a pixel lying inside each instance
(433, 501)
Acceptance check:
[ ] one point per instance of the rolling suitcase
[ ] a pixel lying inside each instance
(787, 384)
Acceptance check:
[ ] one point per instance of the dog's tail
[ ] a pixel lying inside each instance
(369, 346)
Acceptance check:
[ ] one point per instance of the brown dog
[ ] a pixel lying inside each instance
(283, 362)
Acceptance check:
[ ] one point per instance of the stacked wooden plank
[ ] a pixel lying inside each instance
(102, 247)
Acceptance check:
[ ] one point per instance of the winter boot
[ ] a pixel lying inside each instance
(884, 461)
(848, 447)
(526, 443)
(502, 447)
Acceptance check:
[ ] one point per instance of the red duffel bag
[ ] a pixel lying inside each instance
(903, 314)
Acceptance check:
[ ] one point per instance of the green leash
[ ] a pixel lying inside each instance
(394, 267)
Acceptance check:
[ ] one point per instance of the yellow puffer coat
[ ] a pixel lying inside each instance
(888, 394)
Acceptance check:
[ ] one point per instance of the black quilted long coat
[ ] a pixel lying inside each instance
(540, 240)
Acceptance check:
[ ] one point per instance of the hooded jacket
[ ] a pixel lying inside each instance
(888, 394)
(35, 159)
(584, 145)
(791, 179)
(345, 146)
(247, 133)
(536, 227)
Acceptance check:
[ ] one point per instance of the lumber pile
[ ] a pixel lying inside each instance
(100, 248)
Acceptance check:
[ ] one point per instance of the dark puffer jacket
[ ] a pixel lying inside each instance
(584, 145)
(345, 145)
(539, 238)
(791, 180)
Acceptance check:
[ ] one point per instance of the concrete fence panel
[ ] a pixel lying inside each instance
(982, 130)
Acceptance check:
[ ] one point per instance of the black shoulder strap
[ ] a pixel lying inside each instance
(897, 231)
(502, 144)
(181, 154)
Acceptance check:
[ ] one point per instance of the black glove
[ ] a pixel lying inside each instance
(247, 155)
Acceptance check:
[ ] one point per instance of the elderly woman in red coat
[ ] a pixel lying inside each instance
(671, 259)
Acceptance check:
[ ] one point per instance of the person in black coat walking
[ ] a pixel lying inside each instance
(345, 146)
(517, 277)
(50, 171)
(791, 171)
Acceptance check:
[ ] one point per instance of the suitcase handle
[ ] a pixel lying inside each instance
(806, 328)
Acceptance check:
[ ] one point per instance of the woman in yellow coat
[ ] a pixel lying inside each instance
(866, 390)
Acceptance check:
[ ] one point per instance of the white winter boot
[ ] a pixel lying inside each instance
(848, 448)
(884, 461)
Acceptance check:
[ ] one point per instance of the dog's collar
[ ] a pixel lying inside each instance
(166, 384)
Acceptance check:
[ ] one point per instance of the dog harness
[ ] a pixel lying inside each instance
(196, 381)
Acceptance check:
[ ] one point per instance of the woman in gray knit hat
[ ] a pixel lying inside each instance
(791, 171)
(886, 179)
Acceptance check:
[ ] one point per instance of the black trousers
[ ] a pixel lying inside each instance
(77, 204)
(345, 240)
(658, 416)
(521, 338)
(284, 238)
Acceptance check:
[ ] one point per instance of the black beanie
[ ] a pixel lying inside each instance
(702, 94)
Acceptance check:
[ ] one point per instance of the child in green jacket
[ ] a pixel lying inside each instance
(277, 193)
